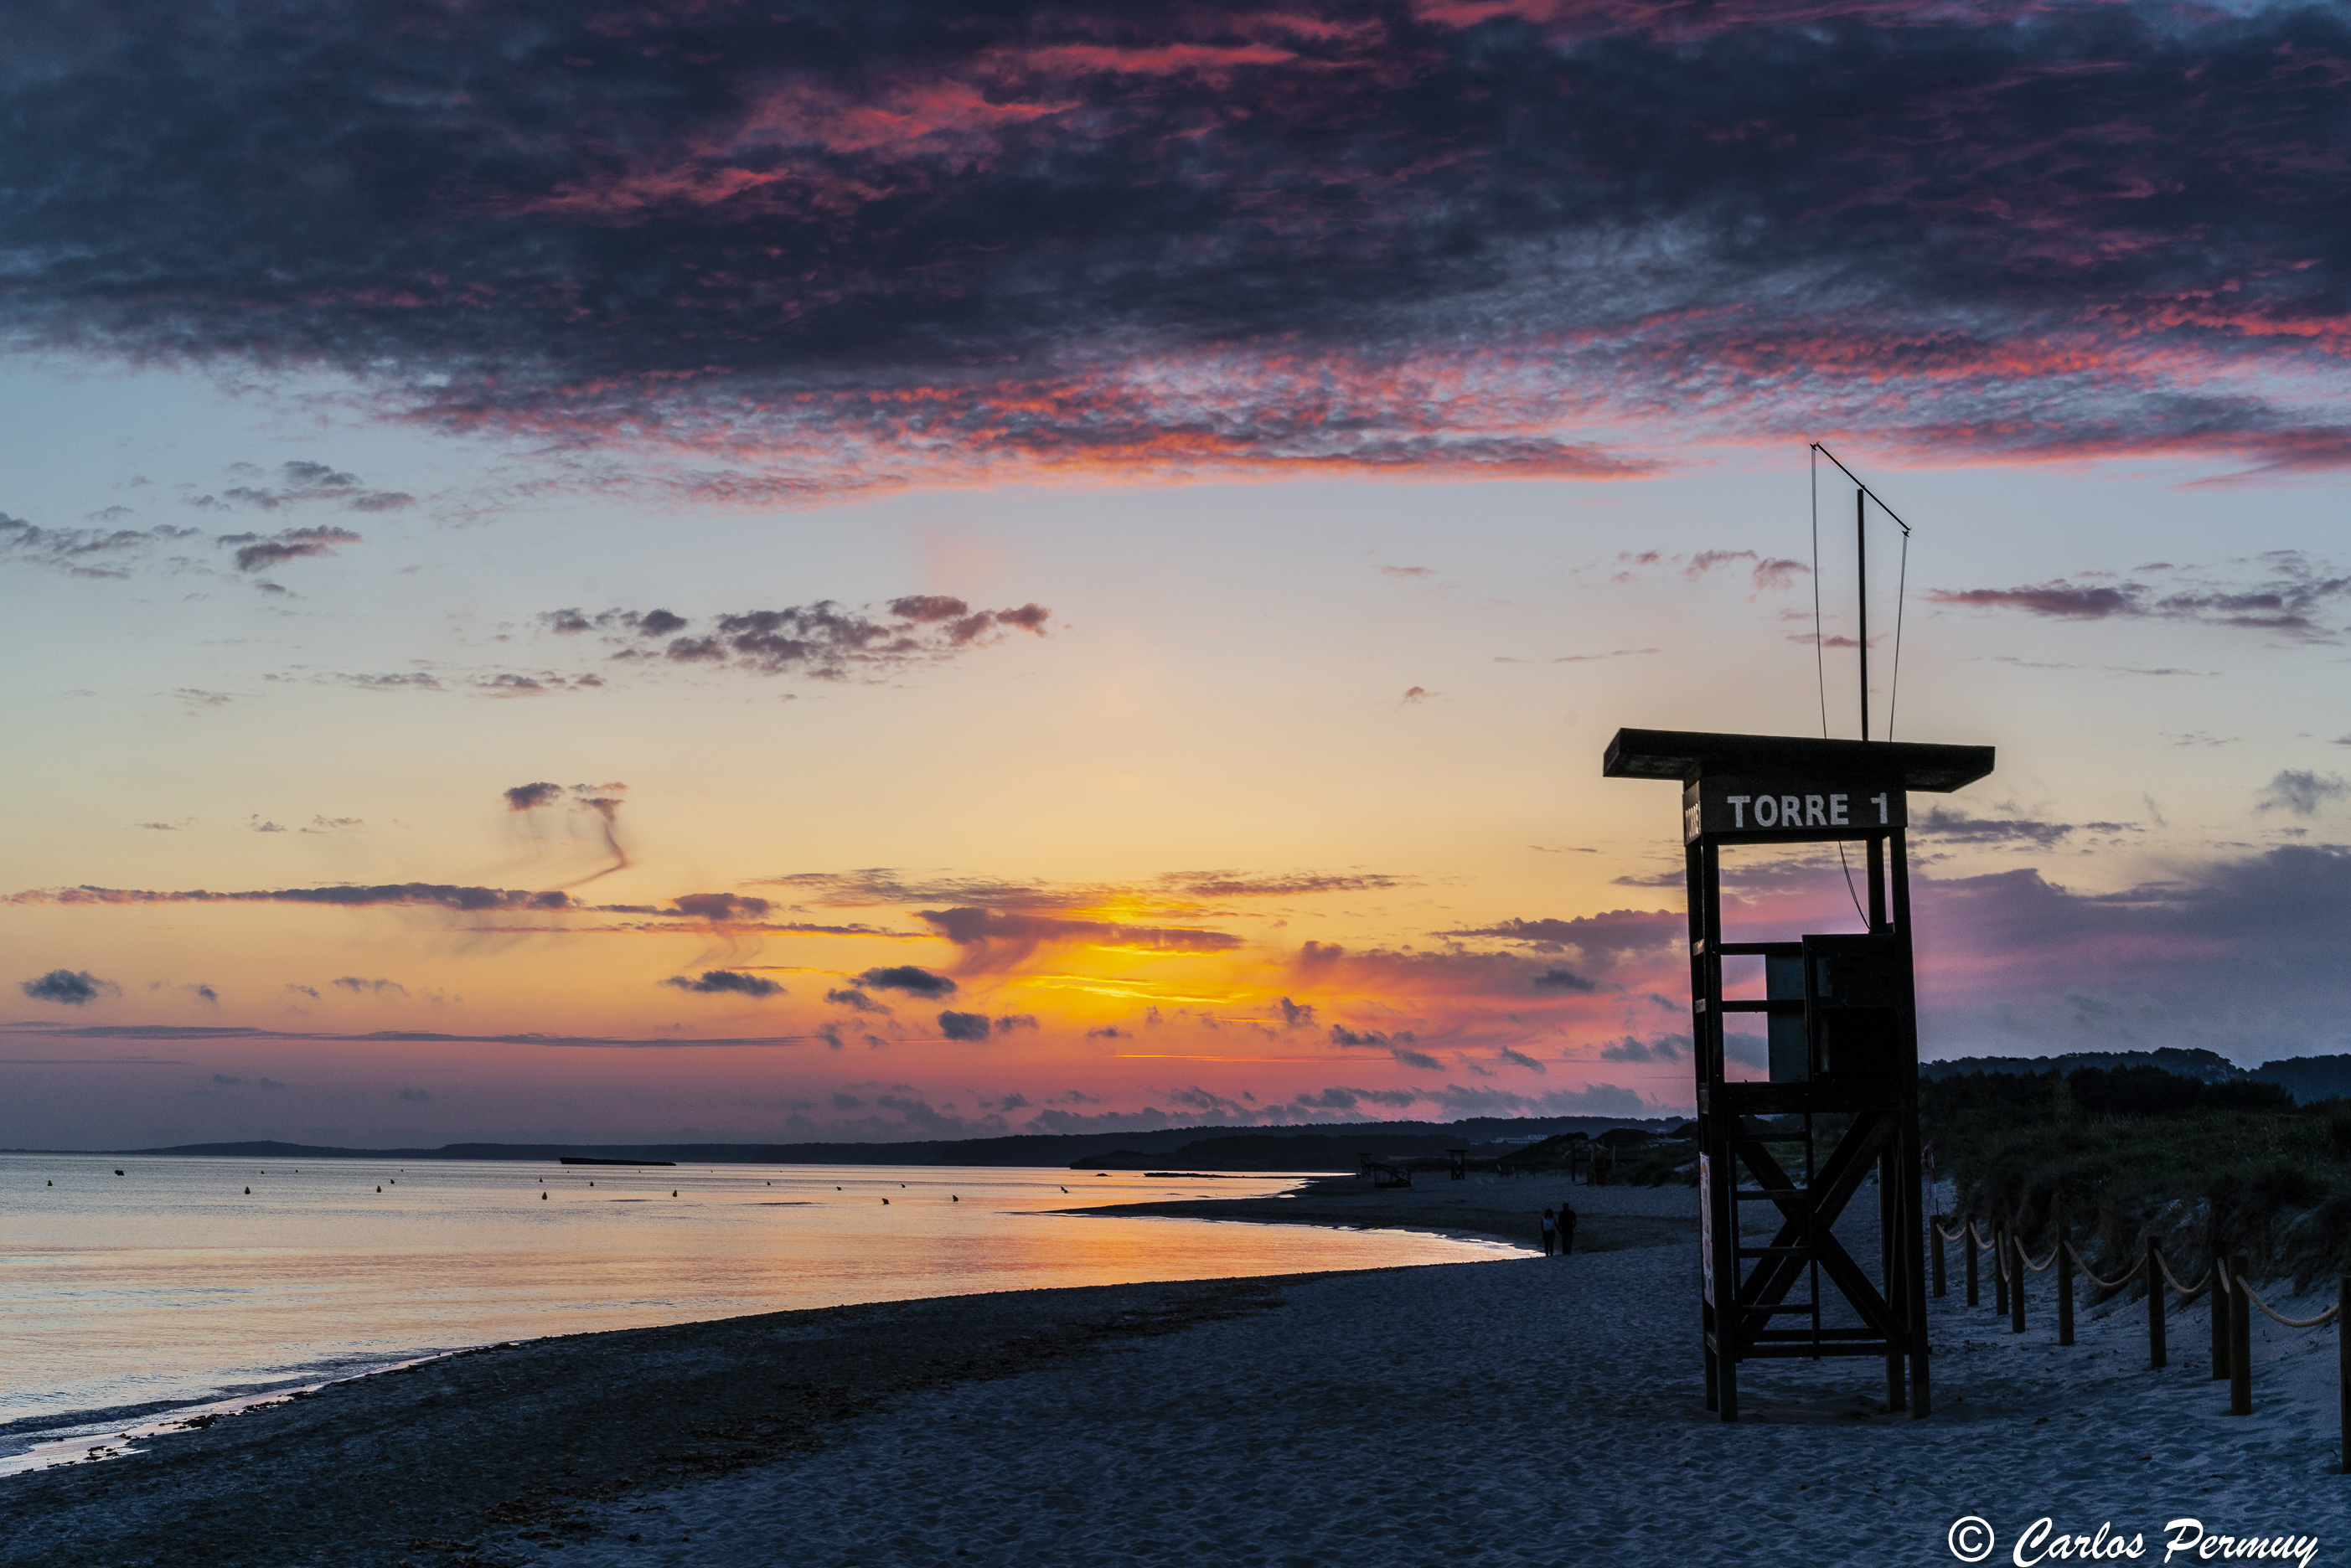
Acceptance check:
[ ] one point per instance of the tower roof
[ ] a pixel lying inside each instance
(1686, 754)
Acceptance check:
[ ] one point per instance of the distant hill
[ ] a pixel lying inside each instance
(2306, 1078)
(2309, 1078)
(2205, 1065)
(1292, 1147)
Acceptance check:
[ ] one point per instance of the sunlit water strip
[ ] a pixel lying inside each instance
(127, 1299)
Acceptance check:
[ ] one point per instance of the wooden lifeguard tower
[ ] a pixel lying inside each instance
(1843, 1030)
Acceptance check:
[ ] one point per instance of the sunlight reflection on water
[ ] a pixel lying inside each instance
(169, 1284)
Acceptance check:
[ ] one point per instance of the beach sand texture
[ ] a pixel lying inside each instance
(1530, 1410)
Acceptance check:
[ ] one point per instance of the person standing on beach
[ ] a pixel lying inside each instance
(1566, 1228)
(1550, 1233)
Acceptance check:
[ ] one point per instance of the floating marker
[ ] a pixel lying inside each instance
(248, 1192)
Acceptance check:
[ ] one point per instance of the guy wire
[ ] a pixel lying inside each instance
(1901, 590)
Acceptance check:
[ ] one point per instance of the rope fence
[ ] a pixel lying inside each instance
(2226, 1282)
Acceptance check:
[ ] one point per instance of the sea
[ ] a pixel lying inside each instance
(138, 1289)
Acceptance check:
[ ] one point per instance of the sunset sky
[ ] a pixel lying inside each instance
(710, 571)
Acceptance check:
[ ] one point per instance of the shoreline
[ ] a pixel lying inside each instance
(1481, 1208)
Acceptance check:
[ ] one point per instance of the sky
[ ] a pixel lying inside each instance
(712, 572)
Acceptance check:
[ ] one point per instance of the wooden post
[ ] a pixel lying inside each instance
(1935, 1224)
(2240, 1340)
(2065, 1284)
(2155, 1351)
(2000, 1267)
(2220, 1319)
(2016, 1284)
(1967, 1245)
(2343, 1359)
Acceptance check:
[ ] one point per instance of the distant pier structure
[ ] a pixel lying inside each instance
(1841, 1018)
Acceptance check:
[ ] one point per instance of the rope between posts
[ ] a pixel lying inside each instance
(2083, 1264)
(2329, 1315)
(2026, 1259)
(2185, 1290)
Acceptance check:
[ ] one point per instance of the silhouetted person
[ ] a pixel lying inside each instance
(1549, 1234)
(1566, 1228)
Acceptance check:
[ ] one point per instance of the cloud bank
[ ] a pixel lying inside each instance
(840, 247)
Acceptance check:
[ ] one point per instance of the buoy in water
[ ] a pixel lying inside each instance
(378, 1186)
(542, 1197)
(953, 1199)
(118, 1173)
(885, 1203)
(248, 1192)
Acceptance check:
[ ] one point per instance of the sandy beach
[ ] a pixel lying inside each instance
(1525, 1410)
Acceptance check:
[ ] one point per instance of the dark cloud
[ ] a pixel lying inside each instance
(2300, 792)
(1343, 1035)
(964, 1025)
(1174, 891)
(1109, 1032)
(1957, 826)
(2279, 591)
(1012, 1020)
(399, 1036)
(68, 988)
(912, 979)
(842, 246)
(531, 797)
(721, 909)
(1419, 694)
(855, 1000)
(301, 483)
(1556, 978)
(726, 982)
(1662, 1048)
(1608, 937)
(997, 938)
(425, 893)
(85, 552)
(256, 552)
(1768, 573)
(376, 987)
(1296, 1015)
(823, 641)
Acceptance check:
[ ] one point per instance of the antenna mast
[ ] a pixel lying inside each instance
(1862, 497)
(1861, 555)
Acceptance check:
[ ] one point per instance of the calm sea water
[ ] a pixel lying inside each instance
(171, 1285)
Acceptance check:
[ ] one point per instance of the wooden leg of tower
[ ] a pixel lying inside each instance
(1914, 1204)
(1892, 1257)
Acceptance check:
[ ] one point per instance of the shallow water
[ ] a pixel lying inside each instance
(171, 1285)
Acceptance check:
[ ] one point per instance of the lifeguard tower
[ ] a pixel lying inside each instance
(1841, 1018)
